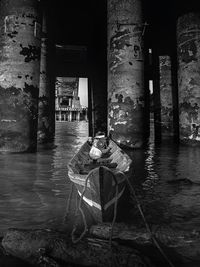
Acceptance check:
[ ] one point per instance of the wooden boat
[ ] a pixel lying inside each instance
(100, 183)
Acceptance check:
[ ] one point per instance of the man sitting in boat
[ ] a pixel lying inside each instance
(99, 146)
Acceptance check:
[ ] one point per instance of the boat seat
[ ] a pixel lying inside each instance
(106, 154)
(88, 167)
(104, 161)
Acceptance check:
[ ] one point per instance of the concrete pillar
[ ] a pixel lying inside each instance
(166, 101)
(19, 75)
(65, 116)
(46, 110)
(97, 79)
(188, 52)
(77, 115)
(70, 102)
(60, 115)
(86, 115)
(125, 72)
(70, 115)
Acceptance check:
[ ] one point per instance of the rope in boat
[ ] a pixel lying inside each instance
(76, 215)
(114, 216)
(132, 191)
(69, 199)
(113, 258)
(76, 240)
(112, 227)
(81, 211)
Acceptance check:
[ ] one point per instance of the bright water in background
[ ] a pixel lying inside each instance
(34, 187)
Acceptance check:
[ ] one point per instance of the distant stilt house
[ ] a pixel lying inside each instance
(68, 107)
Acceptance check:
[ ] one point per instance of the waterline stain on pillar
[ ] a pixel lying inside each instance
(166, 97)
(125, 72)
(19, 75)
(188, 52)
(46, 105)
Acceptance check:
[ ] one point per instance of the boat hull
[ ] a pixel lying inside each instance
(100, 186)
(102, 192)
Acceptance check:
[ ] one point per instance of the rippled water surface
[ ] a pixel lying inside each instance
(166, 198)
(34, 187)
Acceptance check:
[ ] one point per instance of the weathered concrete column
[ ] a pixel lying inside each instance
(70, 115)
(86, 115)
(156, 95)
(65, 116)
(188, 52)
(46, 109)
(19, 75)
(60, 115)
(125, 72)
(166, 100)
(78, 115)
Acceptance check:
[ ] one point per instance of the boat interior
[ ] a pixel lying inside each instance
(114, 158)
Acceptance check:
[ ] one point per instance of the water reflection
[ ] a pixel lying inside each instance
(164, 196)
(152, 177)
(16, 190)
(34, 187)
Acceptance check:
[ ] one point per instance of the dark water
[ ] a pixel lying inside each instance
(160, 176)
(34, 187)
